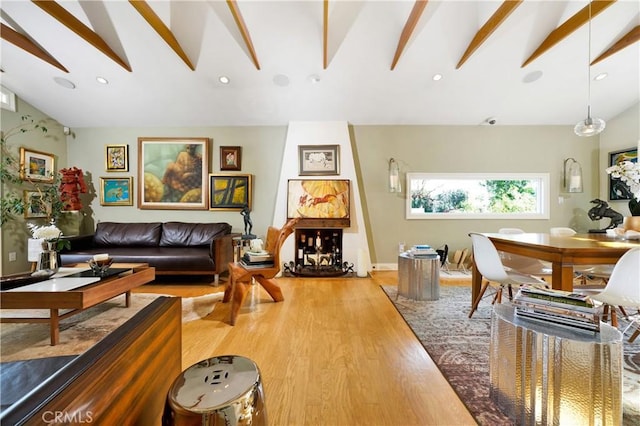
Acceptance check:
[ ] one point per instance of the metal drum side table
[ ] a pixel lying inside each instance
(225, 390)
(419, 276)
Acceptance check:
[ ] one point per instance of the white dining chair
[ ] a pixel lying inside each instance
(487, 260)
(623, 290)
(561, 231)
(523, 264)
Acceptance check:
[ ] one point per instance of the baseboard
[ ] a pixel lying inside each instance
(384, 266)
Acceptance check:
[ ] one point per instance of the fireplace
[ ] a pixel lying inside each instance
(318, 253)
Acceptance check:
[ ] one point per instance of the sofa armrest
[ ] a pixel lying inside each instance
(221, 252)
(79, 243)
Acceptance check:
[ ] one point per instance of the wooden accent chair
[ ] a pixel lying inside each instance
(240, 277)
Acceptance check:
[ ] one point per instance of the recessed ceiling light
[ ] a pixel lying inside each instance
(314, 78)
(281, 80)
(64, 82)
(437, 77)
(102, 80)
(532, 76)
(224, 79)
(600, 76)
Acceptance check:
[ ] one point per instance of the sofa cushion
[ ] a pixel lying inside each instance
(182, 234)
(127, 234)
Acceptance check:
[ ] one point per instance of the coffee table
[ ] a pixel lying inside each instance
(52, 295)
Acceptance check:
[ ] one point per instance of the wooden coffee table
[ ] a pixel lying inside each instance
(76, 299)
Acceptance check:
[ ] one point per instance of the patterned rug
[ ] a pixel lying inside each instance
(460, 348)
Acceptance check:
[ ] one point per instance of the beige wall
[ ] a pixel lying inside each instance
(417, 148)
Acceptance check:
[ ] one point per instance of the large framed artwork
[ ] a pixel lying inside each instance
(116, 191)
(230, 191)
(318, 198)
(117, 158)
(618, 190)
(172, 173)
(318, 160)
(36, 166)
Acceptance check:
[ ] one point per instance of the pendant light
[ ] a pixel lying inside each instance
(589, 126)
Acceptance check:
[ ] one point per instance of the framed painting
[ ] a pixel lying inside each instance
(35, 205)
(318, 160)
(618, 190)
(230, 192)
(318, 199)
(172, 173)
(116, 191)
(117, 158)
(230, 157)
(36, 166)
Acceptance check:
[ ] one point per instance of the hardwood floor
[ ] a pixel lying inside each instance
(335, 352)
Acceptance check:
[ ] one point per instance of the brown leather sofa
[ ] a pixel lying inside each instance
(173, 248)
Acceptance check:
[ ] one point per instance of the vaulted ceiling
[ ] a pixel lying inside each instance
(366, 62)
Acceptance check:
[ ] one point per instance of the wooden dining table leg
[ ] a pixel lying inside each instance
(54, 323)
(561, 276)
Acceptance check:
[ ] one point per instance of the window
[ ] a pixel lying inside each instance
(477, 196)
(7, 99)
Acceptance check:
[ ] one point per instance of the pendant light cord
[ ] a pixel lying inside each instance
(589, 67)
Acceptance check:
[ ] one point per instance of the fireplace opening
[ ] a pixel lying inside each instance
(318, 253)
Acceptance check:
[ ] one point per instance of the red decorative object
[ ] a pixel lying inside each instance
(71, 186)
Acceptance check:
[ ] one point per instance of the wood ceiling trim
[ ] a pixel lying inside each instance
(325, 34)
(68, 20)
(627, 40)
(156, 23)
(12, 36)
(500, 15)
(237, 16)
(569, 26)
(409, 26)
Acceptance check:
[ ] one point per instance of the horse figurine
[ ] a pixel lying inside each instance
(602, 210)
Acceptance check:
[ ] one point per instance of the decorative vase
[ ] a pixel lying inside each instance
(48, 262)
(632, 223)
(70, 222)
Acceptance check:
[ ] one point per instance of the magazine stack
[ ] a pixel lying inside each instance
(558, 307)
(257, 260)
(422, 250)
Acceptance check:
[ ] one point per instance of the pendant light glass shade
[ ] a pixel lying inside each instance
(589, 126)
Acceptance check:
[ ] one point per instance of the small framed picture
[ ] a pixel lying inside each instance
(35, 205)
(318, 160)
(229, 192)
(230, 157)
(116, 191)
(618, 190)
(117, 158)
(36, 166)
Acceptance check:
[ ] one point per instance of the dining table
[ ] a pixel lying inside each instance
(562, 251)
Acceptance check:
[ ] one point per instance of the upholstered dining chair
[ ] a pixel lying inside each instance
(240, 277)
(487, 260)
(623, 289)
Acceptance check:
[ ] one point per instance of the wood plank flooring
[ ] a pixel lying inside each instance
(335, 352)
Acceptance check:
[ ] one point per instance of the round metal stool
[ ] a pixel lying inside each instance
(225, 390)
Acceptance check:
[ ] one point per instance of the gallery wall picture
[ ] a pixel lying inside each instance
(230, 158)
(116, 191)
(230, 191)
(117, 158)
(618, 190)
(172, 173)
(318, 198)
(36, 166)
(318, 160)
(35, 205)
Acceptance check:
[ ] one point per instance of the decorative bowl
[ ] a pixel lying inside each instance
(100, 267)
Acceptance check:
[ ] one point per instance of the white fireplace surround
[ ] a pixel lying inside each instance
(354, 241)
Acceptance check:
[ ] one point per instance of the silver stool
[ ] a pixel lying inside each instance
(224, 390)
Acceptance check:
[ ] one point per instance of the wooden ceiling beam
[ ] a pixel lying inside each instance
(627, 40)
(12, 36)
(569, 26)
(325, 34)
(500, 15)
(409, 26)
(237, 16)
(74, 24)
(163, 31)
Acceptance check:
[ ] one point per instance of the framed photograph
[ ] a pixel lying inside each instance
(35, 205)
(230, 192)
(618, 190)
(172, 173)
(318, 160)
(117, 158)
(116, 191)
(36, 166)
(230, 157)
(318, 199)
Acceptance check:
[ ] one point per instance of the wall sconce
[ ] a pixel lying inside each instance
(394, 176)
(572, 175)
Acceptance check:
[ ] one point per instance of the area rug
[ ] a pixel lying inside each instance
(460, 348)
(19, 341)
